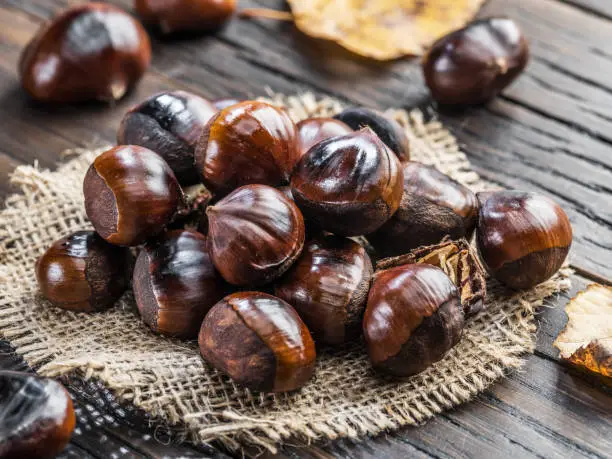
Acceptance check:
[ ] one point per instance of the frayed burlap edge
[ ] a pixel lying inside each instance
(168, 379)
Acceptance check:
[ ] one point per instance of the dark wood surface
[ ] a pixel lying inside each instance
(549, 132)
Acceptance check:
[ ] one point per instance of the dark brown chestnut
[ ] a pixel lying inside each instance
(474, 64)
(433, 206)
(254, 235)
(176, 284)
(413, 318)
(170, 124)
(251, 142)
(131, 194)
(36, 416)
(314, 130)
(93, 51)
(220, 104)
(328, 287)
(348, 185)
(172, 16)
(389, 130)
(82, 272)
(259, 341)
(523, 238)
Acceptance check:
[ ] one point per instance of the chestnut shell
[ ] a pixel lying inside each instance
(523, 238)
(259, 341)
(82, 272)
(93, 51)
(474, 64)
(314, 130)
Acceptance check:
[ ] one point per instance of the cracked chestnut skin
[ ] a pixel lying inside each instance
(84, 273)
(349, 185)
(176, 284)
(413, 318)
(314, 130)
(259, 341)
(328, 286)
(93, 51)
(170, 124)
(131, 194)
(474, 64)
(433, 206)
(248, 143)
(522, 238)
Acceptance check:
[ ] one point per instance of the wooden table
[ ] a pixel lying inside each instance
(551, 132)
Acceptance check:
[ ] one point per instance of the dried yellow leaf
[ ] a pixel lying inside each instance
(382, 29)
(587, 338)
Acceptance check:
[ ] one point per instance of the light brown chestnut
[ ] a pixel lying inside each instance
(93, 51)
(259, 341)
(314, 130)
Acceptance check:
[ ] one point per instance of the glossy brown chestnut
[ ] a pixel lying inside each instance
(348, 185)
(413, 318)
(170, 124)
(36, 416)
(328, 287)
(259, 341)
(93, 51)
(433, 206)
(389, 130)
(254, 235)
(82, 272)
(220, 104)
(173, 16)
(176, 284)
(251, 142)
(523, 238)
(131, 194)
(474, 64)
(314, 130)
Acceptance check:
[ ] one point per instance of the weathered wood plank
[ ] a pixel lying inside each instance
(601, 8)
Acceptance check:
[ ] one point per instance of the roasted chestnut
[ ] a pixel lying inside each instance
(328, 287)
(173, 16)
(314, 130)
(36, 416)
(93, 51)
(259, 341)
(170, 124)
(389, 130)
(176, 284)
(413, 318)
(254, 235)
(82, 272)
(251, 142)
(220, 104)
(474, 64)
(131, 194)
(433, 206)
(523, 238)
(348, 185)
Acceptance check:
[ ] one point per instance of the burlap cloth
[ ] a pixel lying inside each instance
(169, 379)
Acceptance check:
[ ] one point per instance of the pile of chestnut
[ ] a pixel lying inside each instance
(274, 267)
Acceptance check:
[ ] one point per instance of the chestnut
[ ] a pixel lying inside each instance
(522, 238)
(348, 185)
(172, 16)
(259, 341)
(254, 235)
(474, 64)
(36, 415)
(389, 130)
(82, 272)
(131, 194)
(170, 124)
(314, 130)
(220, 104)
(328, 287)
(433, 206)
(93, 51)
(413, 318)
(247, 143)
(176, 284)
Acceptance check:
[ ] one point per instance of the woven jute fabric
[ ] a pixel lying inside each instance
(168, 378)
